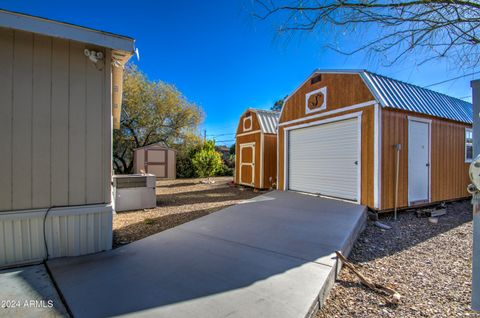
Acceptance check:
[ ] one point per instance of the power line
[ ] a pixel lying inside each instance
(465, 97)
(218, 135)
(451, 79)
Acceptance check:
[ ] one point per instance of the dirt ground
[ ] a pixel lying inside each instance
(429, 264)
(178, 201)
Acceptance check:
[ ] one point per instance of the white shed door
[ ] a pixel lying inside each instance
(325, 159)
(418, 161)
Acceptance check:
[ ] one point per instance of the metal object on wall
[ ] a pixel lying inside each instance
(134, 192)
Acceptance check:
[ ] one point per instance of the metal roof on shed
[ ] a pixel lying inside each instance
(396, 94)
(268, 120)
(400, 95)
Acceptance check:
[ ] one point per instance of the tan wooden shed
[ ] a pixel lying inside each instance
(348, 133)
(156, 159)
(256, 149)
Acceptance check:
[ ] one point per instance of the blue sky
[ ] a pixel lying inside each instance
(224, 59)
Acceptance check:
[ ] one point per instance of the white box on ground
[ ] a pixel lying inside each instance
(134, 192)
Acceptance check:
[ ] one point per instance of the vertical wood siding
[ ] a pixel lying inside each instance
(269, 160)
(55, 119)
(255, 123)
(342, 90)
(449, 172)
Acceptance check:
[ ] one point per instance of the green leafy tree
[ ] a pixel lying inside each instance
(152, 111)
(277, 106)
(207, 161)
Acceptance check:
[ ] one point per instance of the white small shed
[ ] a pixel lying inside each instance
(156, 159)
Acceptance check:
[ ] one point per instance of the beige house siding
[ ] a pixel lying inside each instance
(55, 123)
(69, 231)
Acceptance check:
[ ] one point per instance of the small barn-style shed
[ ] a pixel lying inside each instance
(256, 149)
(156, 159)
(60, 88)
(349, 133)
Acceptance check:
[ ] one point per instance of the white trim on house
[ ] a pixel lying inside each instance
(429, 122)
(377, 157)
(262, 158)
(252, 164)
(322, 90)
(357, 115)
(249, 133)
(332, 112)
(465, 144)
(28, 23)
(249, 118)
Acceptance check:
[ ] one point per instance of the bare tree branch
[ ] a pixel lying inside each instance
(435, 28)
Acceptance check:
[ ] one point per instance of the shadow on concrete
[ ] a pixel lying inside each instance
(152, 226)
(271, 257)
(29, 292)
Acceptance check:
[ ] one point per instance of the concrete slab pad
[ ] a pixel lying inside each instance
(294, 224)
(29, 292)
(180, 274)
(270, 257)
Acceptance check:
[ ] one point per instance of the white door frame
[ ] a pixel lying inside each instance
(357, 115)
(252, 164)
(429, 123)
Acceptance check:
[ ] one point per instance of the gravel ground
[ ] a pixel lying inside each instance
(429, 264)
(178, 201)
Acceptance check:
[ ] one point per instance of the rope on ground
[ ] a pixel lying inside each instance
(393, 296)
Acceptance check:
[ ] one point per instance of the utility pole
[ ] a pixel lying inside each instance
(204, 135)
(476, 205)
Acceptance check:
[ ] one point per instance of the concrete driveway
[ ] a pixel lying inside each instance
(272, 256)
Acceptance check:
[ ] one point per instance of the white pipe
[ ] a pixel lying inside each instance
(397, 168)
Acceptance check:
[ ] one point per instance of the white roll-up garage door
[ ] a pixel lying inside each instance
(324, 159)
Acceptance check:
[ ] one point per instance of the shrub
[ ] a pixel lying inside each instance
(185, 152)
(207, 162)
(225, 171)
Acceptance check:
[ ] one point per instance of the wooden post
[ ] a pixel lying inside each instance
(476, 207)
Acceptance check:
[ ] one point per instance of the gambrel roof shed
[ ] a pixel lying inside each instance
(374, 140)
(268, 119)
(392, 93)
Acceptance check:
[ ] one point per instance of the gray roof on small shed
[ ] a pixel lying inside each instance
(268, 120)
(392, 93)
